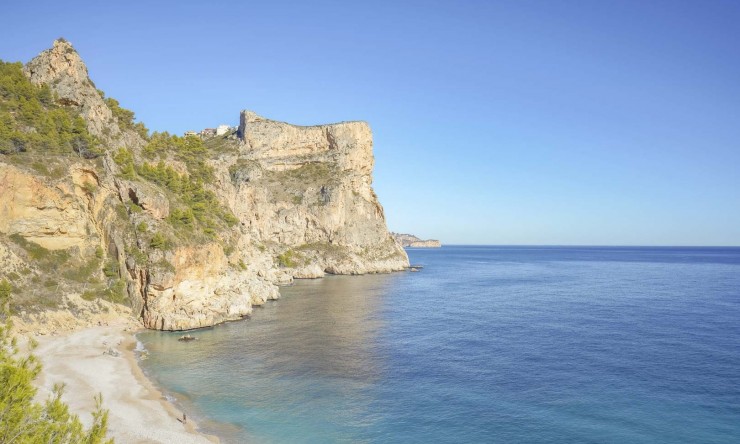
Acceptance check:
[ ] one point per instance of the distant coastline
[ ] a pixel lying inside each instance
(411, 241)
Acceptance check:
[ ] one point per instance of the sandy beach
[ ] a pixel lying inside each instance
(138, 412)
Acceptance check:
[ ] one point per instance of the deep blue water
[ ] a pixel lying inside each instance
(485, 344)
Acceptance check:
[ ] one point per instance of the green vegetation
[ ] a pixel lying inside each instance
(125, 117)
(89, 187)
(324, 247)
(111, 270)
(116, 293)
(63, 272)
(138, 255)
(47, 260)
(222, 144)
(160, 242)
(22, 420)
(84, 273)
(197, 204)
(32, 120)
(142, 227)
(189, 150)
(292, 185)
(125, 160)
(242, 170)
(287, 259)
(198, 207)
(308, 173)
(164, 264)
(5, 289)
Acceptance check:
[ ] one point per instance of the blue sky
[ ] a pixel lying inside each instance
(509, 122)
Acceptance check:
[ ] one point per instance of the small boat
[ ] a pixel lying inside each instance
(186, 338)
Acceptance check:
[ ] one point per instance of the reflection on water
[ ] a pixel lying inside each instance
(321, 331)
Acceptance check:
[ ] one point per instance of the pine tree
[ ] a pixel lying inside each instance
(24, 421)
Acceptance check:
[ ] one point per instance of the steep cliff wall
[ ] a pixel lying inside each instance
(306, 194)
(187, 234)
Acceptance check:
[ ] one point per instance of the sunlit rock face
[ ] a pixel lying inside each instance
(62, 68)
(305, 193)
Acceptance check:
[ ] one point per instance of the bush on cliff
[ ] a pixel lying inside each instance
(195, 202)
(24, 421)
(125, 117)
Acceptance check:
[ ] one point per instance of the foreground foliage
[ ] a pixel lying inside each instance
(21, 419)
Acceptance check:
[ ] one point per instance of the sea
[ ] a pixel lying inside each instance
(484, 344)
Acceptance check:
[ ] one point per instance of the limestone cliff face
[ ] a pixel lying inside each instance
(53, 215)
(306, 194)
(302, 198)
(202, 290)
(63, 70)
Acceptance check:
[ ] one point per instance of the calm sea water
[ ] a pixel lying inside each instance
(486, 344)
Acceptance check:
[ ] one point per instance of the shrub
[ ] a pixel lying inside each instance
(116, 293)
(5, 290)
(47, 260)
(110, 269)
(159, 241)
(125, 160)
(286, 259)
(25, 421)
(139, 256)
(84, 272)
(89, 187)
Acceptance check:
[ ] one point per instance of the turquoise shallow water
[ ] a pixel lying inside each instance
(486, 344)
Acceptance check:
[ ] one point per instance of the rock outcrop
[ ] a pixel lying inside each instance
(63, 70)
(301, 199)
(53, 215)
(306, 194)
(411, 241)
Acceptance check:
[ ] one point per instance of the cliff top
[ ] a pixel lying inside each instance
(250, 116)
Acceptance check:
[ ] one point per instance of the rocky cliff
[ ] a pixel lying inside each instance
(409, 240)
(186, 233)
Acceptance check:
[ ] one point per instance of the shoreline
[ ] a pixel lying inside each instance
(86, 362)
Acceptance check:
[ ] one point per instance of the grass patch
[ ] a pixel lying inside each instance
(287, 259)
(47, 260)
(83, 273)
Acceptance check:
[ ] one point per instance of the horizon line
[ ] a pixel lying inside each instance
(578, 245)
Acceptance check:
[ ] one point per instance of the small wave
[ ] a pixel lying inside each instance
(140, 347)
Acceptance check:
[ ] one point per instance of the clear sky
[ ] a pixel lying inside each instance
(495, 122)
